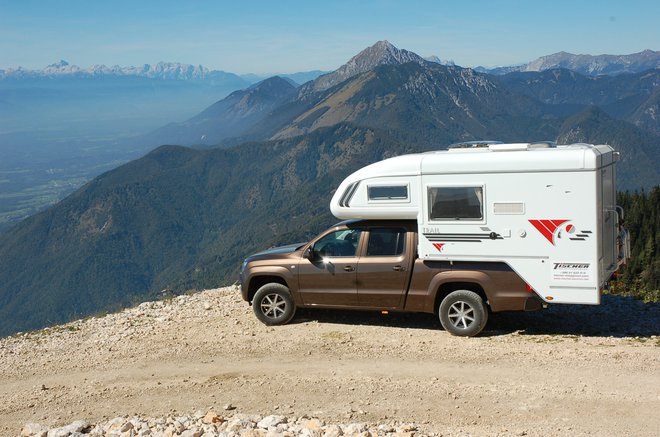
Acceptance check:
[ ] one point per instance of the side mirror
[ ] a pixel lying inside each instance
(309, 253)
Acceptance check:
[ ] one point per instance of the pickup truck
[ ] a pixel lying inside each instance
(373, 265)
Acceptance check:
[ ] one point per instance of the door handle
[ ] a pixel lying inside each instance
(399, 269)
(349, 268)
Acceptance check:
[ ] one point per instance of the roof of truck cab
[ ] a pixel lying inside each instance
(497, 158)
(357, 223)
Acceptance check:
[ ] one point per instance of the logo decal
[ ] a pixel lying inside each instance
(548, 228)
(571, 271)
(438, 246)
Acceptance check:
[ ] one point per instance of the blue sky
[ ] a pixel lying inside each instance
(286, 36)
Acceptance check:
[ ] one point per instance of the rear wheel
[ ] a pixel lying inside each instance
(273, 304)
(463, 313)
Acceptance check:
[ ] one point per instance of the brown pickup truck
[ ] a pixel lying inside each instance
(373, 265)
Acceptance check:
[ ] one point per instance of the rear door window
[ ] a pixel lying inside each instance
(386, 241)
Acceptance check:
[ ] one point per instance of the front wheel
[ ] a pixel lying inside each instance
(463, 313)
(273, 304)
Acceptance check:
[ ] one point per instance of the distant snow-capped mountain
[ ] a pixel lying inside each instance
(161, 70)
(437, 60)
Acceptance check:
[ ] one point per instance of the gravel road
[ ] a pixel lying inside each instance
(568, 370)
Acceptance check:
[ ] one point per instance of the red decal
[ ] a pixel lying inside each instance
(547, 228)
(439, 246)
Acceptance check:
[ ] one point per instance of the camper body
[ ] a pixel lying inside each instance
(546, 211)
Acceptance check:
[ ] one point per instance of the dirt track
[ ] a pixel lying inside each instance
(565, 371)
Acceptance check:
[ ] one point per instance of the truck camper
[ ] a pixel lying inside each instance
(478, 226)
(547, 211)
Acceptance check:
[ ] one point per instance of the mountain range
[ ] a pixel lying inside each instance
(161, 70)
(106, 101)
(588, 65)
(182, 218)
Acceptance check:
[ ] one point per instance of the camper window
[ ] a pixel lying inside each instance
(455, 203)
(387, 192)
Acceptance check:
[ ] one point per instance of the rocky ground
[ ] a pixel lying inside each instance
(203, 365)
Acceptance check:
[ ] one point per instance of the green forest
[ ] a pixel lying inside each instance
(641, 275)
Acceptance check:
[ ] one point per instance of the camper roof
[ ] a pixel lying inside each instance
(493, 158)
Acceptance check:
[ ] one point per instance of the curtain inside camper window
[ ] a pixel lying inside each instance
(455, 203)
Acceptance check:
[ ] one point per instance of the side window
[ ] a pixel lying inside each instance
(338, 243)
(456, 203)
(387, 192)
(386, 241)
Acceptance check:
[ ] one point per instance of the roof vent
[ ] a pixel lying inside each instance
(543, 145)
(521, 146)
(472, 144)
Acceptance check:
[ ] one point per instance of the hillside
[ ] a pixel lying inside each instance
(640, 150)
(629, 97)
(234, 116)
(167, 364)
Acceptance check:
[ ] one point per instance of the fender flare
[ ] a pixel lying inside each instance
(464, 276)
(274, 271)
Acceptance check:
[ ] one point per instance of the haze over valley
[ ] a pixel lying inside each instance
(62, 125)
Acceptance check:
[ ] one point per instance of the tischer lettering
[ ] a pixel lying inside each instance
(571, 266)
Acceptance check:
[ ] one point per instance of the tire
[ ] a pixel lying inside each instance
(273, 304)
(463, 313)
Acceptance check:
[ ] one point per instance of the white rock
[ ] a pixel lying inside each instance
(332, 431)
(269, 421)
(114, 424)
(355, 428)
(66, 431)
(34, 429)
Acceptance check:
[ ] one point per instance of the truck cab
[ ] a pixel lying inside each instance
(374, 265)
(356, 263)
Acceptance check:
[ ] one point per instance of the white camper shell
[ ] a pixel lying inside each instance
(547, 211)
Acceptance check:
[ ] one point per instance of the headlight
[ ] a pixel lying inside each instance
(243, 265)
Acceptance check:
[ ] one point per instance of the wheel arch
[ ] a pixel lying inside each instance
(448, 287)
(258, 281)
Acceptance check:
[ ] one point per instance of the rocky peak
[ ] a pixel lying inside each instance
(381, 53)
(274, 82)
